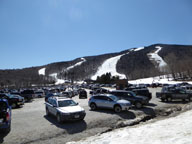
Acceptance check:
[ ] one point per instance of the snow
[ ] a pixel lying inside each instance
(155, 57)
(158, 79)
(109, 65)
(42, 71)
(174, 130)
(138, 49)
(77, 64)
(58, 81)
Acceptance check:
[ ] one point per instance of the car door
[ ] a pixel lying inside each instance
(128, 96)
(49, 105)
(101, 101)
(54, 107)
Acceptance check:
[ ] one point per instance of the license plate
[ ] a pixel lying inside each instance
(1, 120)
(76, 116)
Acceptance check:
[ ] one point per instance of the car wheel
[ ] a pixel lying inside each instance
(47, 112)
(162, 99)
(169, 99)
(117, 109)
(93, 106)
(13, 105)
(138, 105)
(59, 118)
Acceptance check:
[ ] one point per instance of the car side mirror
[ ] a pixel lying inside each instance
(77, 103)
(54, 105)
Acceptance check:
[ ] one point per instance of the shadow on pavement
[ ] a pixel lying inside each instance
(151, 104)
(71, 127)
(2, 136)
(124, 114)
(146, 110)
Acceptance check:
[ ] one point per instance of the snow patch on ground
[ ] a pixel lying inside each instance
(109, 65)
(174, 130)
(138, 49)
(157, 59)
(77, 64)
(42, 71)
(58, 81)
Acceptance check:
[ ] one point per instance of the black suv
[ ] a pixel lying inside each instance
(14, 100)
(28, 95)
(143, 92)
(138, 101)
(82, 94)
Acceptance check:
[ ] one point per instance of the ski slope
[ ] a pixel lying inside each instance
(77, 64)
(157, 59)
(109, 66)
(42, 71)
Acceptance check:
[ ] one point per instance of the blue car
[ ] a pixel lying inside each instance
(5, 116)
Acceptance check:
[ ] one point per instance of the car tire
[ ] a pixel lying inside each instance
(169, 99)
(13, 105)
(59, 118)
(93, 106)
(138, 105)
(117, 109)
(162, 99)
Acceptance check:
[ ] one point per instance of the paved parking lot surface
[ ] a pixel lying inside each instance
(31, 125)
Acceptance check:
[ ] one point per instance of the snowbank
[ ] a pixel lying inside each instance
(42, 71)
(109, 65)
(175, 130)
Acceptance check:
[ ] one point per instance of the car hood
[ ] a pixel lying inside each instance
(71, 109)
(123, 101)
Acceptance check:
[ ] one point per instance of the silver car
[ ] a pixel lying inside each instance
(109, 102)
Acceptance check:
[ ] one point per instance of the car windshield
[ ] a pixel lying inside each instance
(114, 98)
(66, 103)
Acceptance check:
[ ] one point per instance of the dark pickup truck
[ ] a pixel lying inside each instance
(169, 94)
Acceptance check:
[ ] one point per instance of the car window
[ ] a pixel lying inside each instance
(66, 103)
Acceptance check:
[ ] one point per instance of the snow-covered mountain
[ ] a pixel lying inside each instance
(134, 63)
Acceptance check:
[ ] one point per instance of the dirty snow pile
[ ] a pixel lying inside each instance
(174, 130)
(155, 57)
(42, 71)
(109, 65)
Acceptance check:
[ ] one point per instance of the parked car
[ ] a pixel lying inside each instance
(68, 94)
(64, 109)
(108, 101)
(173, 93)
(136, 100)
(39, 94)
(82, 94)
(5, 116)
(28, 95)
(13, 100)
(143, 92)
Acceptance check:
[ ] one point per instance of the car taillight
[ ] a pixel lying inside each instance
(7, 116)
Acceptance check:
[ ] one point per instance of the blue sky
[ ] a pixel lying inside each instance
(39, 32)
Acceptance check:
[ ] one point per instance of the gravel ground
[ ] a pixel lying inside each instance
(31, 126)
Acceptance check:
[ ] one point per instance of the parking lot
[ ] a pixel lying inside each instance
(31, 125)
